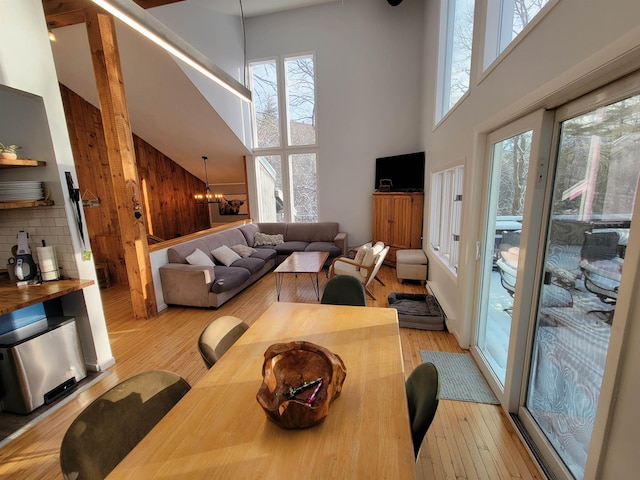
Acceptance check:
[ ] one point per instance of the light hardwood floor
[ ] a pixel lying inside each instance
(465, 441)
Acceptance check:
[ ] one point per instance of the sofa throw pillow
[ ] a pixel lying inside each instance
(243, 250)
(368, 260)
(261, 239)
(198, 257)
(362, 250)
(225, 255)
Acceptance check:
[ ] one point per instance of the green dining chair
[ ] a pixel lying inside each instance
(218, 337)
(423, 395)
(344, 290)
(113, 424)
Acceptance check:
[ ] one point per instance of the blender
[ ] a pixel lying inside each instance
(25, 266)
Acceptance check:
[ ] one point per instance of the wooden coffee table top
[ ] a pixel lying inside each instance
(303, 262)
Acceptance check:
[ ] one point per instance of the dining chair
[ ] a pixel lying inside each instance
(218, 336)
(113, 424)
(423, 395)
(344, 290)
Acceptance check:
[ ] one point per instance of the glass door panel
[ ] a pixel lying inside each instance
(509, 172)
(594, 190)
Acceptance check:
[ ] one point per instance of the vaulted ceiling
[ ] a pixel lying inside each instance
(165, 107)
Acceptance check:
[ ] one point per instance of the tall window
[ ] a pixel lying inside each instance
(454, 66)
(446, 215)
(285, 138)
(505, 21)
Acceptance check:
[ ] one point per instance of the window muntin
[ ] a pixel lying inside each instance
(286, 169)
(446, 215)
(266, 110)
(506, 19)
(301, 100)
(270, 196)
(455, 52)
(304, 187)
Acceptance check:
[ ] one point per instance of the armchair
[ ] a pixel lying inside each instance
(364, 266)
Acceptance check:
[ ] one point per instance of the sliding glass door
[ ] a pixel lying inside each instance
(594, 190)
(561, 190)
(510, 151)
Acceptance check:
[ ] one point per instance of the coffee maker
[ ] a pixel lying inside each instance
(25, 266)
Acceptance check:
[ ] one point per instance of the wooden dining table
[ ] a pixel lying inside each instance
(218, 430)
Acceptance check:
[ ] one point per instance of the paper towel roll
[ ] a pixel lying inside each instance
(48, 263)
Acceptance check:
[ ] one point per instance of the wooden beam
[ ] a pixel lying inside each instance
(62, 13)
(122, 162)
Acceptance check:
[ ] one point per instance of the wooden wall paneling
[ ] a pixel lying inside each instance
(92, 167)
(168, 198)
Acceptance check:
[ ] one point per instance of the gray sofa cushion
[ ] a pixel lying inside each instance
(234, 236)
(216, 240)
(332, 248)
(228, 278)
(248, 232)
(253, 264)
(179, 253)
(312, 232)
(287, 248)
(266, 253)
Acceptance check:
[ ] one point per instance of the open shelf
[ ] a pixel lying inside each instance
(21, 162)
(28, 204)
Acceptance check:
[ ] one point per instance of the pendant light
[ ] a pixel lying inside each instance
(207, 196)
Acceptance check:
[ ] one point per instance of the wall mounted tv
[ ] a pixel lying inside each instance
(405, 172)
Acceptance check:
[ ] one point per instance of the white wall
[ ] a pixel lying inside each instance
(26, 64)
(568, 52)
(368, 68)
(219, 37)
(578, 46)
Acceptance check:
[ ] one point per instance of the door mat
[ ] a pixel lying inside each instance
(12, 425)
(460, 379)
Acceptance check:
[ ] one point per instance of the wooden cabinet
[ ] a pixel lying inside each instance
(397, 221)
(23, 162)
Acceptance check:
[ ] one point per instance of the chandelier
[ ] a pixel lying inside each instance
(207, 196)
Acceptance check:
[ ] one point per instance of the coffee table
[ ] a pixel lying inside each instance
(302, 262)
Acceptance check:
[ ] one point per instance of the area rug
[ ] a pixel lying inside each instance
(460, 379)
(12, 425)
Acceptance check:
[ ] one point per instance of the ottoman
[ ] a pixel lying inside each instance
(411, 265)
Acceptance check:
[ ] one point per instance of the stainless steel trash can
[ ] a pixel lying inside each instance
(39, 363)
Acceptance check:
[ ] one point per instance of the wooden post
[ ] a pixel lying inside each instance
(122, 163)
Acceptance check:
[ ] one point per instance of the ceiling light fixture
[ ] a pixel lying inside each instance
(207, 196)
(145, 23)
(52, 36)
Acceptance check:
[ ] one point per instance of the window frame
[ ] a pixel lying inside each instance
(496, 48)
(445, 60)
(445, 217)
(285, 150)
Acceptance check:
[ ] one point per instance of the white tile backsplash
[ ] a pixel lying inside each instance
(42, 223)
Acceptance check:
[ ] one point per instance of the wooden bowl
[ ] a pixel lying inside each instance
(291, 394)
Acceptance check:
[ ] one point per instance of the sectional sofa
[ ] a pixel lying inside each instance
(210, 270)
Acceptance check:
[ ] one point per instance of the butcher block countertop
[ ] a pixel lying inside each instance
(13, 298)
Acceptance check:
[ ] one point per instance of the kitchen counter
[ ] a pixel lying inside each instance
(13, 298)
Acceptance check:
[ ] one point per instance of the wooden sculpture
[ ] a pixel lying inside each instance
(300, 381)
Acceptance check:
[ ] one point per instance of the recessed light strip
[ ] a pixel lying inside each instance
(145, 23)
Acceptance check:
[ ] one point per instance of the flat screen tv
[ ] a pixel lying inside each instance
(405, 172)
